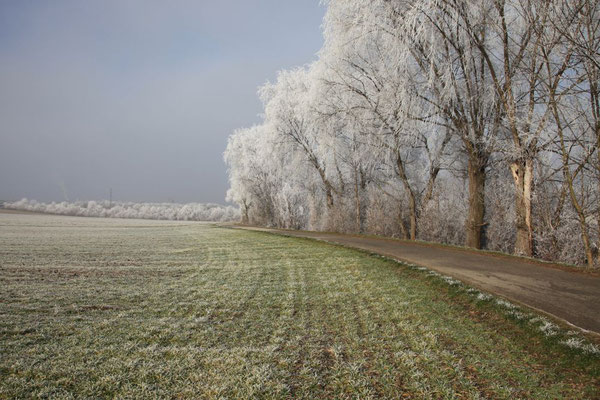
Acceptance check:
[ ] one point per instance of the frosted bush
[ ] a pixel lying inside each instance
(163, 211)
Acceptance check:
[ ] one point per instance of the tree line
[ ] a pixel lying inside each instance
(127, 209)
(464, 122)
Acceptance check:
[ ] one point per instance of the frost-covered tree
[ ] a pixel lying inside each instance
(288, 113)
(252, 174)
(370, 83)
(574, 104)
(438, 41)
(472, 122)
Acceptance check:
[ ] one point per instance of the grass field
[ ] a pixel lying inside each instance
(144, 309)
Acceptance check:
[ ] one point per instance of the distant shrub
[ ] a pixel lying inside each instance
(164, 211)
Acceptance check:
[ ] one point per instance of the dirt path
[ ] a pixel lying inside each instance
(568, 295)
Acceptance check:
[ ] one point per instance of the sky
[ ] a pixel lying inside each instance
(137, 96)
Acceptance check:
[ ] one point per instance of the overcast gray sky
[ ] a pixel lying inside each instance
(140, 95)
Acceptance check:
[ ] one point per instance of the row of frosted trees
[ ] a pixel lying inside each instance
(464, 122)
(119, 209)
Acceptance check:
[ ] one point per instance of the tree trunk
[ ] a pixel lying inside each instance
(329, 195)
(430, 185)
(328, 186)
(475, 218)
(577, 205)
(589, 255)
(357, 203)
(245, 217)
(555, 221)
(412, 201)
(413, 216)
(522, 173)
(402, 227)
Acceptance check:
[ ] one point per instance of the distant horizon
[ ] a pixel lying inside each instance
(222, 203)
